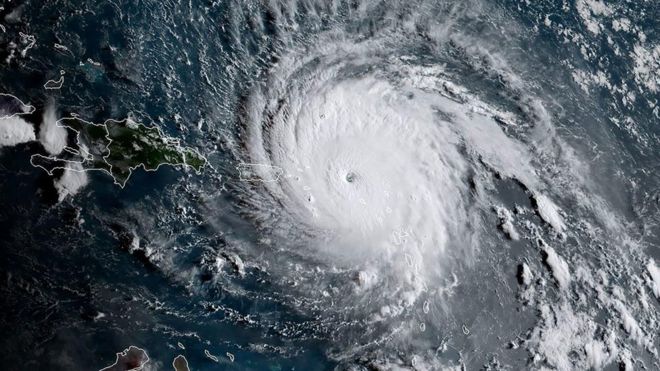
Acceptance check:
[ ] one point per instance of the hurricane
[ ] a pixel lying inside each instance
(392, 185)
(384, 158)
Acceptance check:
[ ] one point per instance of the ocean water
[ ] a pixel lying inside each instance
(395, 185)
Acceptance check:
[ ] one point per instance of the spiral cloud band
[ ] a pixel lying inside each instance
(374, 168)
(405, 192)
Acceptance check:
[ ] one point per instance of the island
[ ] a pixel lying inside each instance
(132, 358)
(180, 363)
(117, 148)
(11, 106)
(14, 129)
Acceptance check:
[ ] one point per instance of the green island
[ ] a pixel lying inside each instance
(118, 148)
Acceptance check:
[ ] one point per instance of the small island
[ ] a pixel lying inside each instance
(180, 363)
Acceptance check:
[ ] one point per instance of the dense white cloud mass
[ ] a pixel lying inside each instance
(52, 136)
(71, 182)
(14, 130)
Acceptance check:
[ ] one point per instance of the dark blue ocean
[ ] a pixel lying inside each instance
(180, 263)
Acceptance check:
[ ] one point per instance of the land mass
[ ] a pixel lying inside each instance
(117, 148)
(180, 363)
(131, 358)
